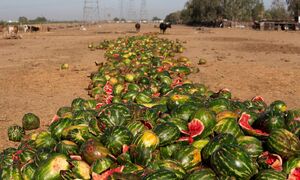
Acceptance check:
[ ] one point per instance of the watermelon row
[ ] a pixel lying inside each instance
(147, 120)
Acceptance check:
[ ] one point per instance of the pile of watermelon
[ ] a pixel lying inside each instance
(146, 120)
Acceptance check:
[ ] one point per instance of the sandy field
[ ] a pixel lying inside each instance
(247, 62)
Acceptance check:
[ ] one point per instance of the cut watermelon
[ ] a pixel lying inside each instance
(244, 123)
(273, 161)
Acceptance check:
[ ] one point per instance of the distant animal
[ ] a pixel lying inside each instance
(28, 28)
(13, 30)
(164, 26)
(34, 28)
(138, 27)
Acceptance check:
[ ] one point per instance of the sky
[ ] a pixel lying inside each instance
(73, 9)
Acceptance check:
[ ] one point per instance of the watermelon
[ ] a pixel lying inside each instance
(115, 137)
(251, 145)
(167, 133)
(176, 100)
(92, 150)
(226, 115)
(80, 169)
(11, 173)
(244, 124)
(173, 166)
(270, 174)
(146, 139)
(45, 140)
(188, 157)
(215, 143)
(30, 121)
(67, 147)
(292, 167)
(56, 128)
(136, 127)
(219, 104)
(28, 171)
(140, 155)
(114, 115)
(207, 118)
(278, 107)
(283, 143)
(233, 161)
(202, 174)
(167, 152)
(50, 169)
(270, 161)
(269, 122)
(184, 111)
(77, 104)
(229, 126)
(161, 174)
(101, 165)
(15, 133)
(292, 121)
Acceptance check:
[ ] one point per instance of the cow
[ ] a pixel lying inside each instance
(137, 27)
(164, 26)
(28, 28)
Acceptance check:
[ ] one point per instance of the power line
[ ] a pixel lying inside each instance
(131, 14)
(143, 10)
(91, 12)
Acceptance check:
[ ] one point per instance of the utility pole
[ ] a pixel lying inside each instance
(121, 9)
(91, 12)
(143, 10)
(131, 10)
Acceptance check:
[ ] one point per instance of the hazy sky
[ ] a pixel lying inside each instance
(73, 9)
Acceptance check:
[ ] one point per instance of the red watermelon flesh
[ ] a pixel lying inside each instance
(244, 123)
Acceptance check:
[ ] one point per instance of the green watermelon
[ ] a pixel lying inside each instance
(28, 171)
(292, 166)
(270, 174)
(146, 139)
(30, 121)
(188, 157)
(202, 174)
(229, 126)
(215, 143)
(161, 174)
(233, 161)
(115, 138)
(283, 143)
(292, 121)
(15, 133)
(251, 145)
(207, 118)
(167, 133)
(51, 168)
(114, 115)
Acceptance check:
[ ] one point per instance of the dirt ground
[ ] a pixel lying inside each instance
(247, 62)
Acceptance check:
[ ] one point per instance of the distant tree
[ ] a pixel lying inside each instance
(39, 20)
(258, 11)
(155, 18)
(242, 10)
(116, 19)
(123, 19)
(278, 10)
(23, 20)
(293, 6)
(174, 17)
